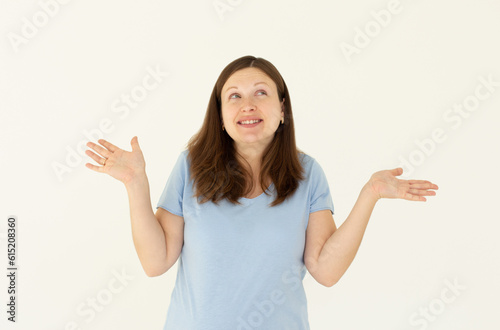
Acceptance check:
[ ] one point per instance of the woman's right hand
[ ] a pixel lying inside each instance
(120, 164)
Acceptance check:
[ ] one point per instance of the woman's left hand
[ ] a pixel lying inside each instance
(384, 184)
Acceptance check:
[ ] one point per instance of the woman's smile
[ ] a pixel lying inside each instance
(248, 123)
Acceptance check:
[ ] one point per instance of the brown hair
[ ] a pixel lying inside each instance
(216, 171)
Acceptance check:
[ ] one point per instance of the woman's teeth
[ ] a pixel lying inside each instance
(247, 122)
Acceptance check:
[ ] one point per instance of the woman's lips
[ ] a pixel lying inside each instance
(252, 123)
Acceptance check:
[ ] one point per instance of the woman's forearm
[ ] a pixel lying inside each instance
(341, 248)
(147, 233)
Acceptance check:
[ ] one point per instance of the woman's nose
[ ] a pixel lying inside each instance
(248, 105)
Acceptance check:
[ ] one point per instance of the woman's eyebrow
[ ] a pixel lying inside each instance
(261, 82)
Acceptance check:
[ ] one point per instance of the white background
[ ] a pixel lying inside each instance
(355, 114)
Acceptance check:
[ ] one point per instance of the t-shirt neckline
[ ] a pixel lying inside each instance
(260, 196)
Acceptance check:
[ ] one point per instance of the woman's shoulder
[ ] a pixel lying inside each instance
(310, 165)
(181, 164)
(306, 159)
(183, 156)
(184, 153)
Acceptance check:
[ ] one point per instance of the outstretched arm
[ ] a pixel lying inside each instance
(330, 251)
(158, 238)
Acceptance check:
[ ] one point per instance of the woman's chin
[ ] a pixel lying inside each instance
(248, 141)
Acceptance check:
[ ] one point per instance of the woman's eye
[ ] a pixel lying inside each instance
(234, 96)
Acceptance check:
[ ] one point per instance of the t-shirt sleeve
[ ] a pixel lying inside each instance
(321, 199)
(172, 195)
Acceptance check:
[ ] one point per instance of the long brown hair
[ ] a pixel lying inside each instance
(216, 171)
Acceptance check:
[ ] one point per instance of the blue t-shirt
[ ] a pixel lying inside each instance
(242, 266)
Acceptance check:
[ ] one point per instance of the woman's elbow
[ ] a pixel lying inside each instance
(153, 274)
(329, 282)
(155, 271)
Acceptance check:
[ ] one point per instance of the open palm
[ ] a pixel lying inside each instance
(120, 164)
(386, 185)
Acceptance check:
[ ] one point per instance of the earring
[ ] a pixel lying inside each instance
(282, 120)
(222, 126)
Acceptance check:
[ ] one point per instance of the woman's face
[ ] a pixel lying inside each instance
(251, 109)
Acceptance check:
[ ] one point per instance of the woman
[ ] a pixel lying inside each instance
(246, 211)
